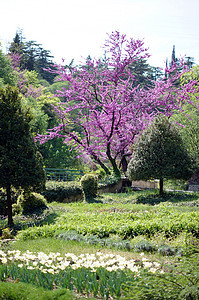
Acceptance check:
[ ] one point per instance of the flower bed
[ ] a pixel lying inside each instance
(94, 274)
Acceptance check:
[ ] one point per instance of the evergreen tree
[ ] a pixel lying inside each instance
(33, 56)
(17, 46)
(173, 56)
(140, 70)
(43, 62)
(20, 162)
(159, 153)
(30, 55)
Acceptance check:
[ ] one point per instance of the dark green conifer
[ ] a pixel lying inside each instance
(20, 162)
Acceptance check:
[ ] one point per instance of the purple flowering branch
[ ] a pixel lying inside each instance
(109, 112)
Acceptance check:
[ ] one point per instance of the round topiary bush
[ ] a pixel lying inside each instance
(31, 201)
(89, 186)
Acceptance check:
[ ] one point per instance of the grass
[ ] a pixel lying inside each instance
(118, 205)
(113, 204)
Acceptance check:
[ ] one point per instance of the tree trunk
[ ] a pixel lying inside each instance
(124, 164)
(9, 206)
(112, 161)
(102, 165)
(161, 187)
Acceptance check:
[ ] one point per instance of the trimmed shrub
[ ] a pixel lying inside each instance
(89, 186)
(63, 192)
(31, 201)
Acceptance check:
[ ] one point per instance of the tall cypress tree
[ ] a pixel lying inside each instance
(20, 162)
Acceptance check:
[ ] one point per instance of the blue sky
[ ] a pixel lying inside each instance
(77, 28)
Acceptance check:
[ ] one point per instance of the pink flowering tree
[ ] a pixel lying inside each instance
(105, 107)
(24, 87)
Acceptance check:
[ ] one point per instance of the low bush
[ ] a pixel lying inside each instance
(109, 180)
(60, 191)
(144, 246)
(89, 186)
(166, 250)
(31, 201)
(94, 240)
(25, 291)
(70, 236)
(7, 233)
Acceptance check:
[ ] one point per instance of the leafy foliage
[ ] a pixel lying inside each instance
(159, 153)
(103, 223)
(109, 180)
(143, 246)
(6, 72)
(179, 282)
(63, 191)
(33, 56)
(89, 186)
(19, 290)
(188, 118)
(30, 202)
(21, 164)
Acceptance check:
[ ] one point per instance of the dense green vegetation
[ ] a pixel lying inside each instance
(158, 239)
(21, 164)
(159, 153)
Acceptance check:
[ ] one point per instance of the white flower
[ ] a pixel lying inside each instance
(4, 260)
(147, 264)
(153, 270)
(51, 271)
(44, 270)
(134, 268)
(59, 258)
(156, 264)
(144, 259)
(2, 253)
